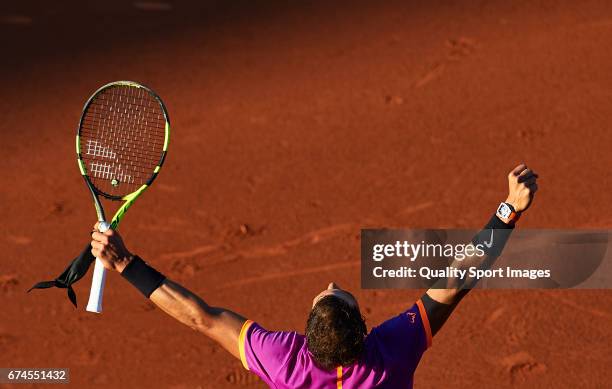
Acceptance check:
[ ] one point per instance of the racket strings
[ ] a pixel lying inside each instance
(122, 139)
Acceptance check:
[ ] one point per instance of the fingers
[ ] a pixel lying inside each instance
(100, 241)
(100, 249)
(99, 237)
(517, 170)
(96, 248)
(102, 236)
(108, 247)
(529, 180)
(527, 173)
(97, 245)
(524, 174)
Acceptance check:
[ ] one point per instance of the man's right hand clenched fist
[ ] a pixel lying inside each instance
(109, 248)
(522, 186)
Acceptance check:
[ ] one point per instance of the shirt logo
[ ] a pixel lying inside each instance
(411, 316)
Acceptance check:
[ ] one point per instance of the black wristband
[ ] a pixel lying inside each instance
(493, 243)
(496, 224)
(145, 278)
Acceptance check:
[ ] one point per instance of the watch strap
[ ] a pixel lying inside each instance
(512, 218)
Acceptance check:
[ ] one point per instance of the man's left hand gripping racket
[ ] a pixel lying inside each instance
(121, 145)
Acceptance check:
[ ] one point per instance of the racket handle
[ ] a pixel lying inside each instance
(97, 288)
(97, 282)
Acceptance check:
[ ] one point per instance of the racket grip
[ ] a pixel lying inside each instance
(97, 288)
(97, 282)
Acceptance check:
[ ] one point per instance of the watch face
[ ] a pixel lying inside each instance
(504, 211)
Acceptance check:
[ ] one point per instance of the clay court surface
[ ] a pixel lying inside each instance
(294, 126)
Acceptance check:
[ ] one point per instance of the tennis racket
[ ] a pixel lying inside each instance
(121, 145)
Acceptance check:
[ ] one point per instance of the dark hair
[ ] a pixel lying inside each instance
(335, 332)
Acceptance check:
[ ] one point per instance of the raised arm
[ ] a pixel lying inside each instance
(219, 324)
(443, 297)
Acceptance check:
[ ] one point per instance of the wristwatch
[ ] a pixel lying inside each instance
(506, 213)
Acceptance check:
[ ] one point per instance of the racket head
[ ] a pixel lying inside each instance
(122, 139)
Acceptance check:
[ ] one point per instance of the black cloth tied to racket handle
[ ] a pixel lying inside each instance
(74, 272)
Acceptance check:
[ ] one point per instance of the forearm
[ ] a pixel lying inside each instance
(171, 297)
(185, 306)
(492, 240)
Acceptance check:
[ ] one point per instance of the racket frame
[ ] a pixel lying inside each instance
(96, 293)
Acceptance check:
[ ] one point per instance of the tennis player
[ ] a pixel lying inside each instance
(336, 350)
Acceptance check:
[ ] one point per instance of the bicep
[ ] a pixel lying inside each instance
(225, 327)
(439, 304)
